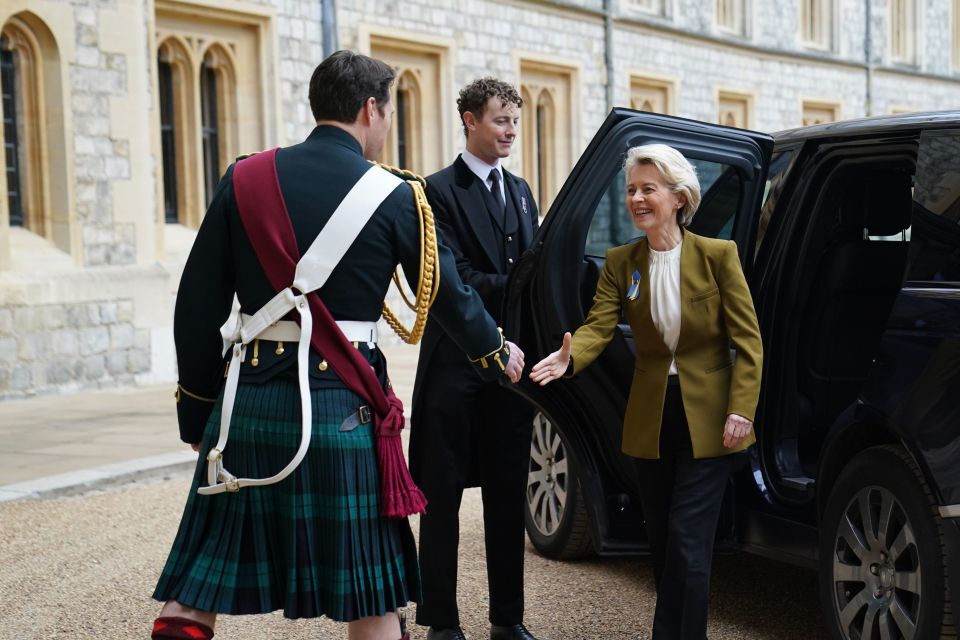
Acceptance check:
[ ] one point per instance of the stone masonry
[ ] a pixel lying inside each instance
(70, 347)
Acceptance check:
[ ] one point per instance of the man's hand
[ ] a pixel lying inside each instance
(195, 446)
(514, 368)
(736, 430)
(554, 365)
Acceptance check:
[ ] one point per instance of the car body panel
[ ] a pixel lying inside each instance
(910, 394)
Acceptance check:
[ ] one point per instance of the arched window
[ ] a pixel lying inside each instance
(210, 129)
(176, 94)
(168, 140)
(651, 94)
(544, 145)
(815, 23)
(20, 76)
(407, 147)
(730, 15)
(417, 141)
(902, 26)
(11, 129)
(218, 121)
(39, 189)
(546, 133)
(734, 109)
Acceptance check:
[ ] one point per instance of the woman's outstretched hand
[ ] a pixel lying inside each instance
(554, 365)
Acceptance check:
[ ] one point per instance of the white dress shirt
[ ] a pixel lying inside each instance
(482, 170)
(665, 296)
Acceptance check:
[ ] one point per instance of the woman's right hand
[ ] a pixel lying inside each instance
(554, 365)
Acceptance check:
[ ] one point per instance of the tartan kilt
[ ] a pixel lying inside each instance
(313, 544)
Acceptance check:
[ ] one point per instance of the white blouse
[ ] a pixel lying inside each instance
(665, 296)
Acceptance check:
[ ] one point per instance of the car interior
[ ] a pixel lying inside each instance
(856, 255)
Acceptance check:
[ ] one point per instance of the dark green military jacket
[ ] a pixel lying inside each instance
(315, 176)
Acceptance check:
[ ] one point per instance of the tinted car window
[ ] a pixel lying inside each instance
(935, 234)
(777, 174)
(721, 189)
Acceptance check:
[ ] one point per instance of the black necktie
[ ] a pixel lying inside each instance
(495, 190)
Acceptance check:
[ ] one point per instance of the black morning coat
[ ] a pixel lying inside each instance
(484, 253)
(315, 176)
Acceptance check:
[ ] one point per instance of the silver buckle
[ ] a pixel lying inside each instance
(364, 413)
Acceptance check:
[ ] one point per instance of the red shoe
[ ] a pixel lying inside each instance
(174, 628)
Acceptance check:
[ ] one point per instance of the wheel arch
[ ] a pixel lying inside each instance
(847, 441)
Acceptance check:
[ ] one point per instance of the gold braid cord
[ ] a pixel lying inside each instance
(429, 281)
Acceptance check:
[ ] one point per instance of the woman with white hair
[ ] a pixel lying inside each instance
(691, 405)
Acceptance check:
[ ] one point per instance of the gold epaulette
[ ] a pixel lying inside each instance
(243, 156)
(403, 173)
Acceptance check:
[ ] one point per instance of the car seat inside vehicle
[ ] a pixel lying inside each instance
(856, 280)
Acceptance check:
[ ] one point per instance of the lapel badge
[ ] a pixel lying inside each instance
(523, 204)
(634, 289)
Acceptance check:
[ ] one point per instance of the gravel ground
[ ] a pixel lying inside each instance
(85, 566)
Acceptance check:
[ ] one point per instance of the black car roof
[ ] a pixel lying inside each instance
(872, 125)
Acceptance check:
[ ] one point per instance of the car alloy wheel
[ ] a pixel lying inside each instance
(876, 567)
(548, 477)
(882, 569)
(556, 516)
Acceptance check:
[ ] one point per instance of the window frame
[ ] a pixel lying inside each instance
(31, 129)
(553, 85)
(738, 22)
(816, 24)
(902, 31)
(639, 80)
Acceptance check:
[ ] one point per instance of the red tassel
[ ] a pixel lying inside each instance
(400, 497)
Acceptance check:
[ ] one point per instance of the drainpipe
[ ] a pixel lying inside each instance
(608, 50)
(868, 53)
(329, 20)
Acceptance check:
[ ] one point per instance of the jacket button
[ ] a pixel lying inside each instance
(509, 260)
(509, 238)
(322, 366)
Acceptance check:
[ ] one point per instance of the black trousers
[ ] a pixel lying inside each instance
(467, 432)
(681, 498)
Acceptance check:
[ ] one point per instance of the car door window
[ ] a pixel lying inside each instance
(721, 187)
(935, 232)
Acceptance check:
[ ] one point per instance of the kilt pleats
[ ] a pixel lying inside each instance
(313, 544)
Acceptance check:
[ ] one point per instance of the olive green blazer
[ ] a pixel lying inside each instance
(716, 312)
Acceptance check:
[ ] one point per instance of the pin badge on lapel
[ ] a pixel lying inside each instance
(634, 289)
(523, 203)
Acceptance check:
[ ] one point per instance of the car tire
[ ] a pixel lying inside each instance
(555, 515)
(882, 567)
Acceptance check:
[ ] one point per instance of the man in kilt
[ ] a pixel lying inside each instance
(312, 538)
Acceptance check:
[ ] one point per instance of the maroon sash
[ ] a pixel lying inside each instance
(267, 224)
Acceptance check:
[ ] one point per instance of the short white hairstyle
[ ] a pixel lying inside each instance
(677, 172)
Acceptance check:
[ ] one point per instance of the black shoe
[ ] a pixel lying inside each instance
(455, 633)
(512, 632)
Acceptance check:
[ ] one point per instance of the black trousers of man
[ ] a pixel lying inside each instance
(681, 498)
(473, 433)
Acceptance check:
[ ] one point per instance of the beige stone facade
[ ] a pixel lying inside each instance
(118, 114)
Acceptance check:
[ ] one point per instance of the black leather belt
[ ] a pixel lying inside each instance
(355, 419)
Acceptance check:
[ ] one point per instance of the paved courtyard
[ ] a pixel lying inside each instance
(84, 567)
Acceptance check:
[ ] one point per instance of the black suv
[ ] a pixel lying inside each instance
(849, 235)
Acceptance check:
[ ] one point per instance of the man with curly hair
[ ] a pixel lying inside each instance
(466, 432)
